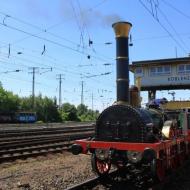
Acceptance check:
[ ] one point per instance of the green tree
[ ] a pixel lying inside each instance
(50, 111)
(45, 108)
(8, 101)
(69, 112)
(86, 114)
(26, 104)
(82, 109)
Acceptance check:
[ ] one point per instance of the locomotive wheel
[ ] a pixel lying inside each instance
(101, 167)
(160, 170)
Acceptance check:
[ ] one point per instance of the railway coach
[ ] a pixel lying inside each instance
(18, 117)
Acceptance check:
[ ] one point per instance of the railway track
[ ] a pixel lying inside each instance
(32, 151)
(23, 126)
(22, 144)
(29, 132)
(94, 182)
(116, 182)
(88, 184)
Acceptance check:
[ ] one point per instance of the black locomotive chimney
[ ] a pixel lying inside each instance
(122, 56)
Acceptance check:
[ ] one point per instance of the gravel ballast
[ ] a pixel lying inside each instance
(55, 172)
(60, 171)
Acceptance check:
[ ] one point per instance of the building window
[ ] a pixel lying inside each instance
(153, 70)
(187, 67)
(182, 69)
(167, 69)
(160, 70)
(139, 71)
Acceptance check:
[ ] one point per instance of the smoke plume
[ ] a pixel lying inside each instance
(89, 17)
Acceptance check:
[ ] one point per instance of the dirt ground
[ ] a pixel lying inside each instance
(53, 172)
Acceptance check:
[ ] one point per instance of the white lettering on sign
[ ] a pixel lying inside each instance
(182, 78)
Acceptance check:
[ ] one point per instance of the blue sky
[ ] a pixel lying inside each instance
(64, 27)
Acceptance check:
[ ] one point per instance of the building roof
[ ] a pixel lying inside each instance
(182, 60)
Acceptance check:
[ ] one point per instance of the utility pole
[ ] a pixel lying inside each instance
(82, 92)
(92, 104)
(34, 70)
(59, 77)
(92, 101)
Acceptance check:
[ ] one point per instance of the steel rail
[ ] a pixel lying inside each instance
(93, 182)
(50, 139)
(42, 135)
(34, 147)
(6, 134)
(29, 154)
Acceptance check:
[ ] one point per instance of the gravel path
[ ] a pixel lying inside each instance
(54, 172)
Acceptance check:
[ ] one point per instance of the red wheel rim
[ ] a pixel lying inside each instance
(102, 166)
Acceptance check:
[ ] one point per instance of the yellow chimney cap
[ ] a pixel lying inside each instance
(122, 29)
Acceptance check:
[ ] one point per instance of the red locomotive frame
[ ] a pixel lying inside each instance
(170, 154)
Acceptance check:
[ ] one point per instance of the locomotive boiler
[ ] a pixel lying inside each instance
(129, 136)
(122, 122)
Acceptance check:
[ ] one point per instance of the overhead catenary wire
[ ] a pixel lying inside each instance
(54, 67)
(48, 28)
(176, 9)
(50, 58)
(36, 27)
(43, 84)
(52, 42)
(95, 80)
(22, 21)
(80, 28)
(159, 37)
(169, 33)
(50, 33)
(173, 28)
(45, 30)
(64, 70)
(23, 60)
(90, 41)
(10, 71)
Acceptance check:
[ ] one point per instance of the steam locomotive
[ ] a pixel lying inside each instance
(144, 141)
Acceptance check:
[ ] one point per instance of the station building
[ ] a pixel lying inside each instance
(162, 74)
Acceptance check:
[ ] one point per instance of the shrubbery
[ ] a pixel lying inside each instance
(46, 108)
(70, 113)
